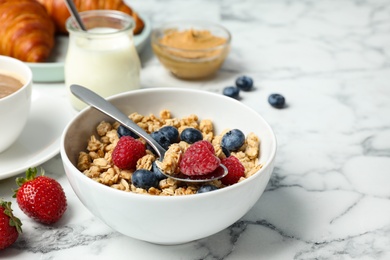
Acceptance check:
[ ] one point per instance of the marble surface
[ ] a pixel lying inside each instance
(329, 196)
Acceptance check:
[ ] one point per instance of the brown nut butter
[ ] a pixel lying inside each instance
(191, 54)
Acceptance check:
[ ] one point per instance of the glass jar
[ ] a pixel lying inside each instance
(103, 58)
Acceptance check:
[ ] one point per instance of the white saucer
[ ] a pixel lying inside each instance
(40, 139)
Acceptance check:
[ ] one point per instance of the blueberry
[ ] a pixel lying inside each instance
(244, 83)
(276, 100)
(191, 135)
(161, 139)
(232, 92)
(206, 188)
(157, 172)
(226, 151)
(233, 140)
(144, 179)
(171, 132)
(123, 131)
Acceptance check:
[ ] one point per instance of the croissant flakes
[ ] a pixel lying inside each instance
(27, 31)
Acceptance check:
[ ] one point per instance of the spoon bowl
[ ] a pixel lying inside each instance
(93, 99)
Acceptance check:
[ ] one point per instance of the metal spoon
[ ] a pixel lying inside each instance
(98, 102)
(75, 14)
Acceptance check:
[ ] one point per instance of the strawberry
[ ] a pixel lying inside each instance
(41, 198)
(199, 159)
(10, 226)
(235, 170)
(127, 152)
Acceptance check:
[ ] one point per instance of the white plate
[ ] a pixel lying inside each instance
(40, 139)
(53, 70)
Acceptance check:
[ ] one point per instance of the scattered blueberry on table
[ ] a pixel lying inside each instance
(244, 83)
(232, 92)
(276, 100)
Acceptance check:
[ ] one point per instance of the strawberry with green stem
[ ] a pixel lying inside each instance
(10, 226)
(41, 198)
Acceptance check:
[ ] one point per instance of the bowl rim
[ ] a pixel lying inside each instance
(146, 197)
(190, 23)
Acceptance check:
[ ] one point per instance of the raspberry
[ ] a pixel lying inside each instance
(199, 159)
(208, 146)
(127, 152)
(235, 170)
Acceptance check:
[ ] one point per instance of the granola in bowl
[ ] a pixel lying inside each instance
(96, 160)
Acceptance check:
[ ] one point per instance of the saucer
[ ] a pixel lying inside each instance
(40, 139)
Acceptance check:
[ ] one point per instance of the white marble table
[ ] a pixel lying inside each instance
(329, 196)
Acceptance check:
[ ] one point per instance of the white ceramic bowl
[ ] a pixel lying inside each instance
(14, 108)
(178, 219)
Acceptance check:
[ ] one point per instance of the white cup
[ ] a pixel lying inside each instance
(14, 108)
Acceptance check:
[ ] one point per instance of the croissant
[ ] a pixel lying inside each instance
(59, 12)
(27, 31)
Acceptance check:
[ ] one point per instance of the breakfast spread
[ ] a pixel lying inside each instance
(191, 53)
(117, 158)
(28, 27)
(8, 85)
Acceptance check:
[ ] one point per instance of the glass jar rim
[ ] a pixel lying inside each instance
(129, 22)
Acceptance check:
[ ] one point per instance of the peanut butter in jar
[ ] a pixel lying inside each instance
(191, 53)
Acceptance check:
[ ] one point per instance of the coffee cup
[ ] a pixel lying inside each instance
(15, 99)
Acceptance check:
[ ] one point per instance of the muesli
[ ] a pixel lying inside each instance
(96, 161)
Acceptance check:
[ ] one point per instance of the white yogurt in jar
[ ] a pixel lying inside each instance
(103, 60)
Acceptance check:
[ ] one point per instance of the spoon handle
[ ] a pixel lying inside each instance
(98, 102)
(75, 14)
